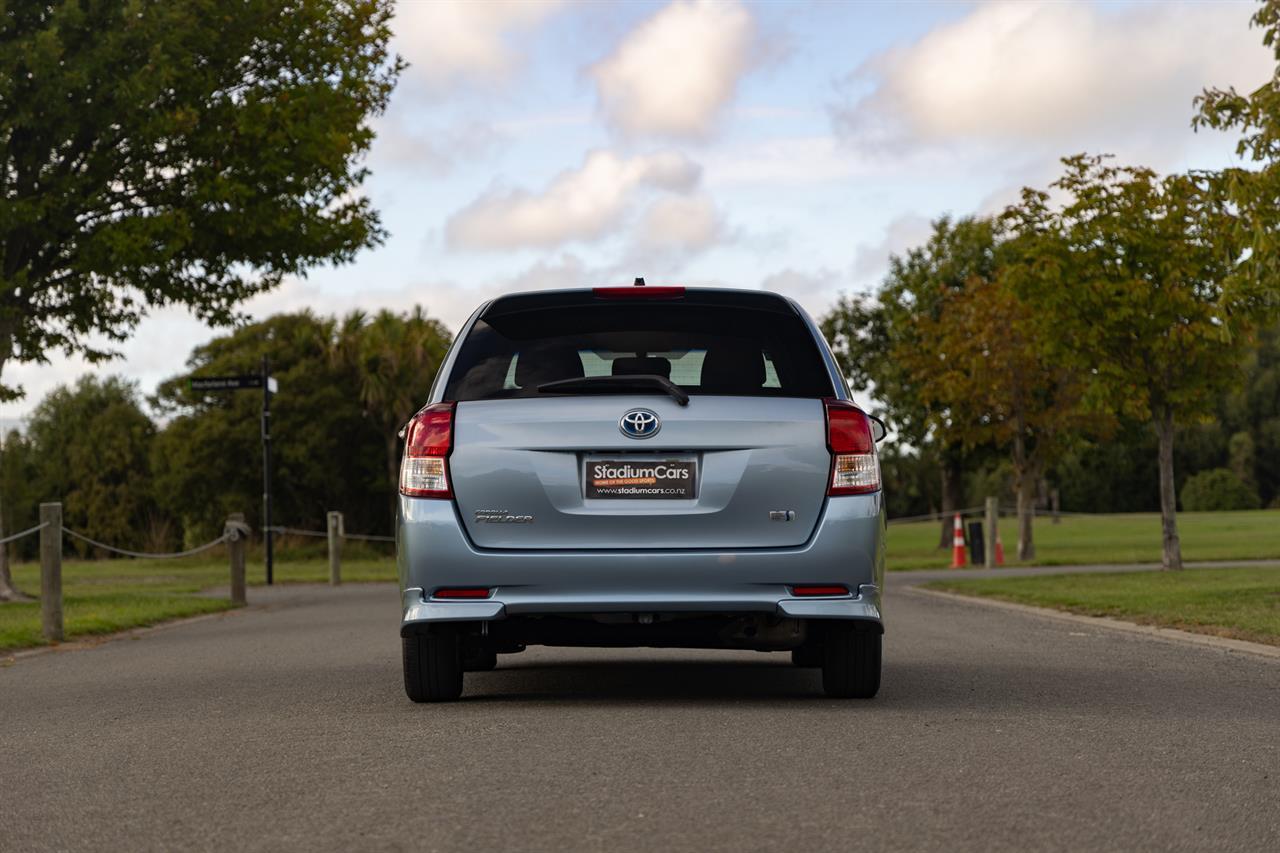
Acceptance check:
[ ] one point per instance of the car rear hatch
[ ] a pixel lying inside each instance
(606, 456)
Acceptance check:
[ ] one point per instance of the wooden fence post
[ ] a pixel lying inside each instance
(993, 518)
(335, 548)
(51, 571)
(235, 550)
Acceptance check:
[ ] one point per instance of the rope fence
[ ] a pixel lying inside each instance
(225, 537)
(235, 535)
(294, 531)
(16, 536)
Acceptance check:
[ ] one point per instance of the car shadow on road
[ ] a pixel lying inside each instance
(629, 681)
(908, 686)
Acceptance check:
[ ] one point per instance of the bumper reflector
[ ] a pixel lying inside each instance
(462, 592)
(819, 589)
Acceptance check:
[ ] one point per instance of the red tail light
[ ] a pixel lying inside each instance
(642, 292)
(424, 471)
(462, 592)
(855, 467)
(819, 589)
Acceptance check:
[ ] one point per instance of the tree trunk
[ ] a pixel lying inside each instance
(951, 499)
(1024, 473)
(1026, 515)
(8, 592)
(1171, 553)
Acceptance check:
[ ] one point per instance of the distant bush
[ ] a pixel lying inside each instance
(1218, 489)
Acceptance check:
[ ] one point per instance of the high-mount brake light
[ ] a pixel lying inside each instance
(463, 592)
(424, 471)
(639, 292)
(855, 467)
(812, 590)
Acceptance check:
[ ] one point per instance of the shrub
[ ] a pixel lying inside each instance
(1217, 489)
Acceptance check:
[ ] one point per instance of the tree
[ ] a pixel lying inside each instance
(18, 510)
(157, 153)
(870, 338)
(1133, 269)
(395, 359)
(92, 442)
(982, 364)
(327, 455)
(1253, 191)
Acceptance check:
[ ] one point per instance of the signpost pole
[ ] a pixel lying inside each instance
(266, 467)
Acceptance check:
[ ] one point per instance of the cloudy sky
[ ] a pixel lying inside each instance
(789, 146)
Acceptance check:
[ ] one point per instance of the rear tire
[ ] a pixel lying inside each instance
(433, 666)
(851, 662)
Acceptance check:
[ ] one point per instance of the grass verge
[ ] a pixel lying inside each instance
(1243, 603)
(105, 596)
(1088, 540)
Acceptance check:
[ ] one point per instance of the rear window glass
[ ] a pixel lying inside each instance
(704, 349)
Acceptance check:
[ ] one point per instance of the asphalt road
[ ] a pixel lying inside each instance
(285, 727)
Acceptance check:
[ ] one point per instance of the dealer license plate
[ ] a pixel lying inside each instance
(664, 479)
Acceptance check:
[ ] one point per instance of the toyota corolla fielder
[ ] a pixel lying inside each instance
(640, 466)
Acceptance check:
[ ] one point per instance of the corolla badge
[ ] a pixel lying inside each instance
(639, 423)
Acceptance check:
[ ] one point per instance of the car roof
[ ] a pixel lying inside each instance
(720, 297)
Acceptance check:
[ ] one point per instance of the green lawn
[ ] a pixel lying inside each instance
(1240, 603)
(1133, 538)
(102, 596)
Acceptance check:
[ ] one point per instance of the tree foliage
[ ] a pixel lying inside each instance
(93, 442)
(980, 360)
(1254, 191)
(208, 459)
(394, 359)
(156, 153)
(874, 338)
(1133, 270)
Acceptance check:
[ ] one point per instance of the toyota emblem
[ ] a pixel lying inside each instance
(639, 423)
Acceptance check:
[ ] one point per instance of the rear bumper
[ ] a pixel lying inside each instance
(420, 611)
(847, 547)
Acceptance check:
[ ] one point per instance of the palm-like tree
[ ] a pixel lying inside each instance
(395, 358)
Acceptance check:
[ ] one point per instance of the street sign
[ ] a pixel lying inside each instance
(269, 386)
(226, 383)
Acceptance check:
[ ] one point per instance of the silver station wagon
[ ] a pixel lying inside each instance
(640, 466)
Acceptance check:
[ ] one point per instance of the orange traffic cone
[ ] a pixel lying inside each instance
(958, 560)
(999, 549)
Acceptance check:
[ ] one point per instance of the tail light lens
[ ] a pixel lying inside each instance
(855, 467)
(424, 471)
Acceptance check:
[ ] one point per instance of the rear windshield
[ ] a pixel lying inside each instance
(705, 349)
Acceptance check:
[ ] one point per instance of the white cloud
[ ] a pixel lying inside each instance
(582, 204)
(688, 223)
(904, 232)
(435, 150)
(1072, 74)
(675, 73)
(815, 291)
(802, 161)
(446, 41)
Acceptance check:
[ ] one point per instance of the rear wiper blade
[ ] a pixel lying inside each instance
(615, 384)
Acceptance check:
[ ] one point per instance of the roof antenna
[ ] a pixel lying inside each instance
(639, 281)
